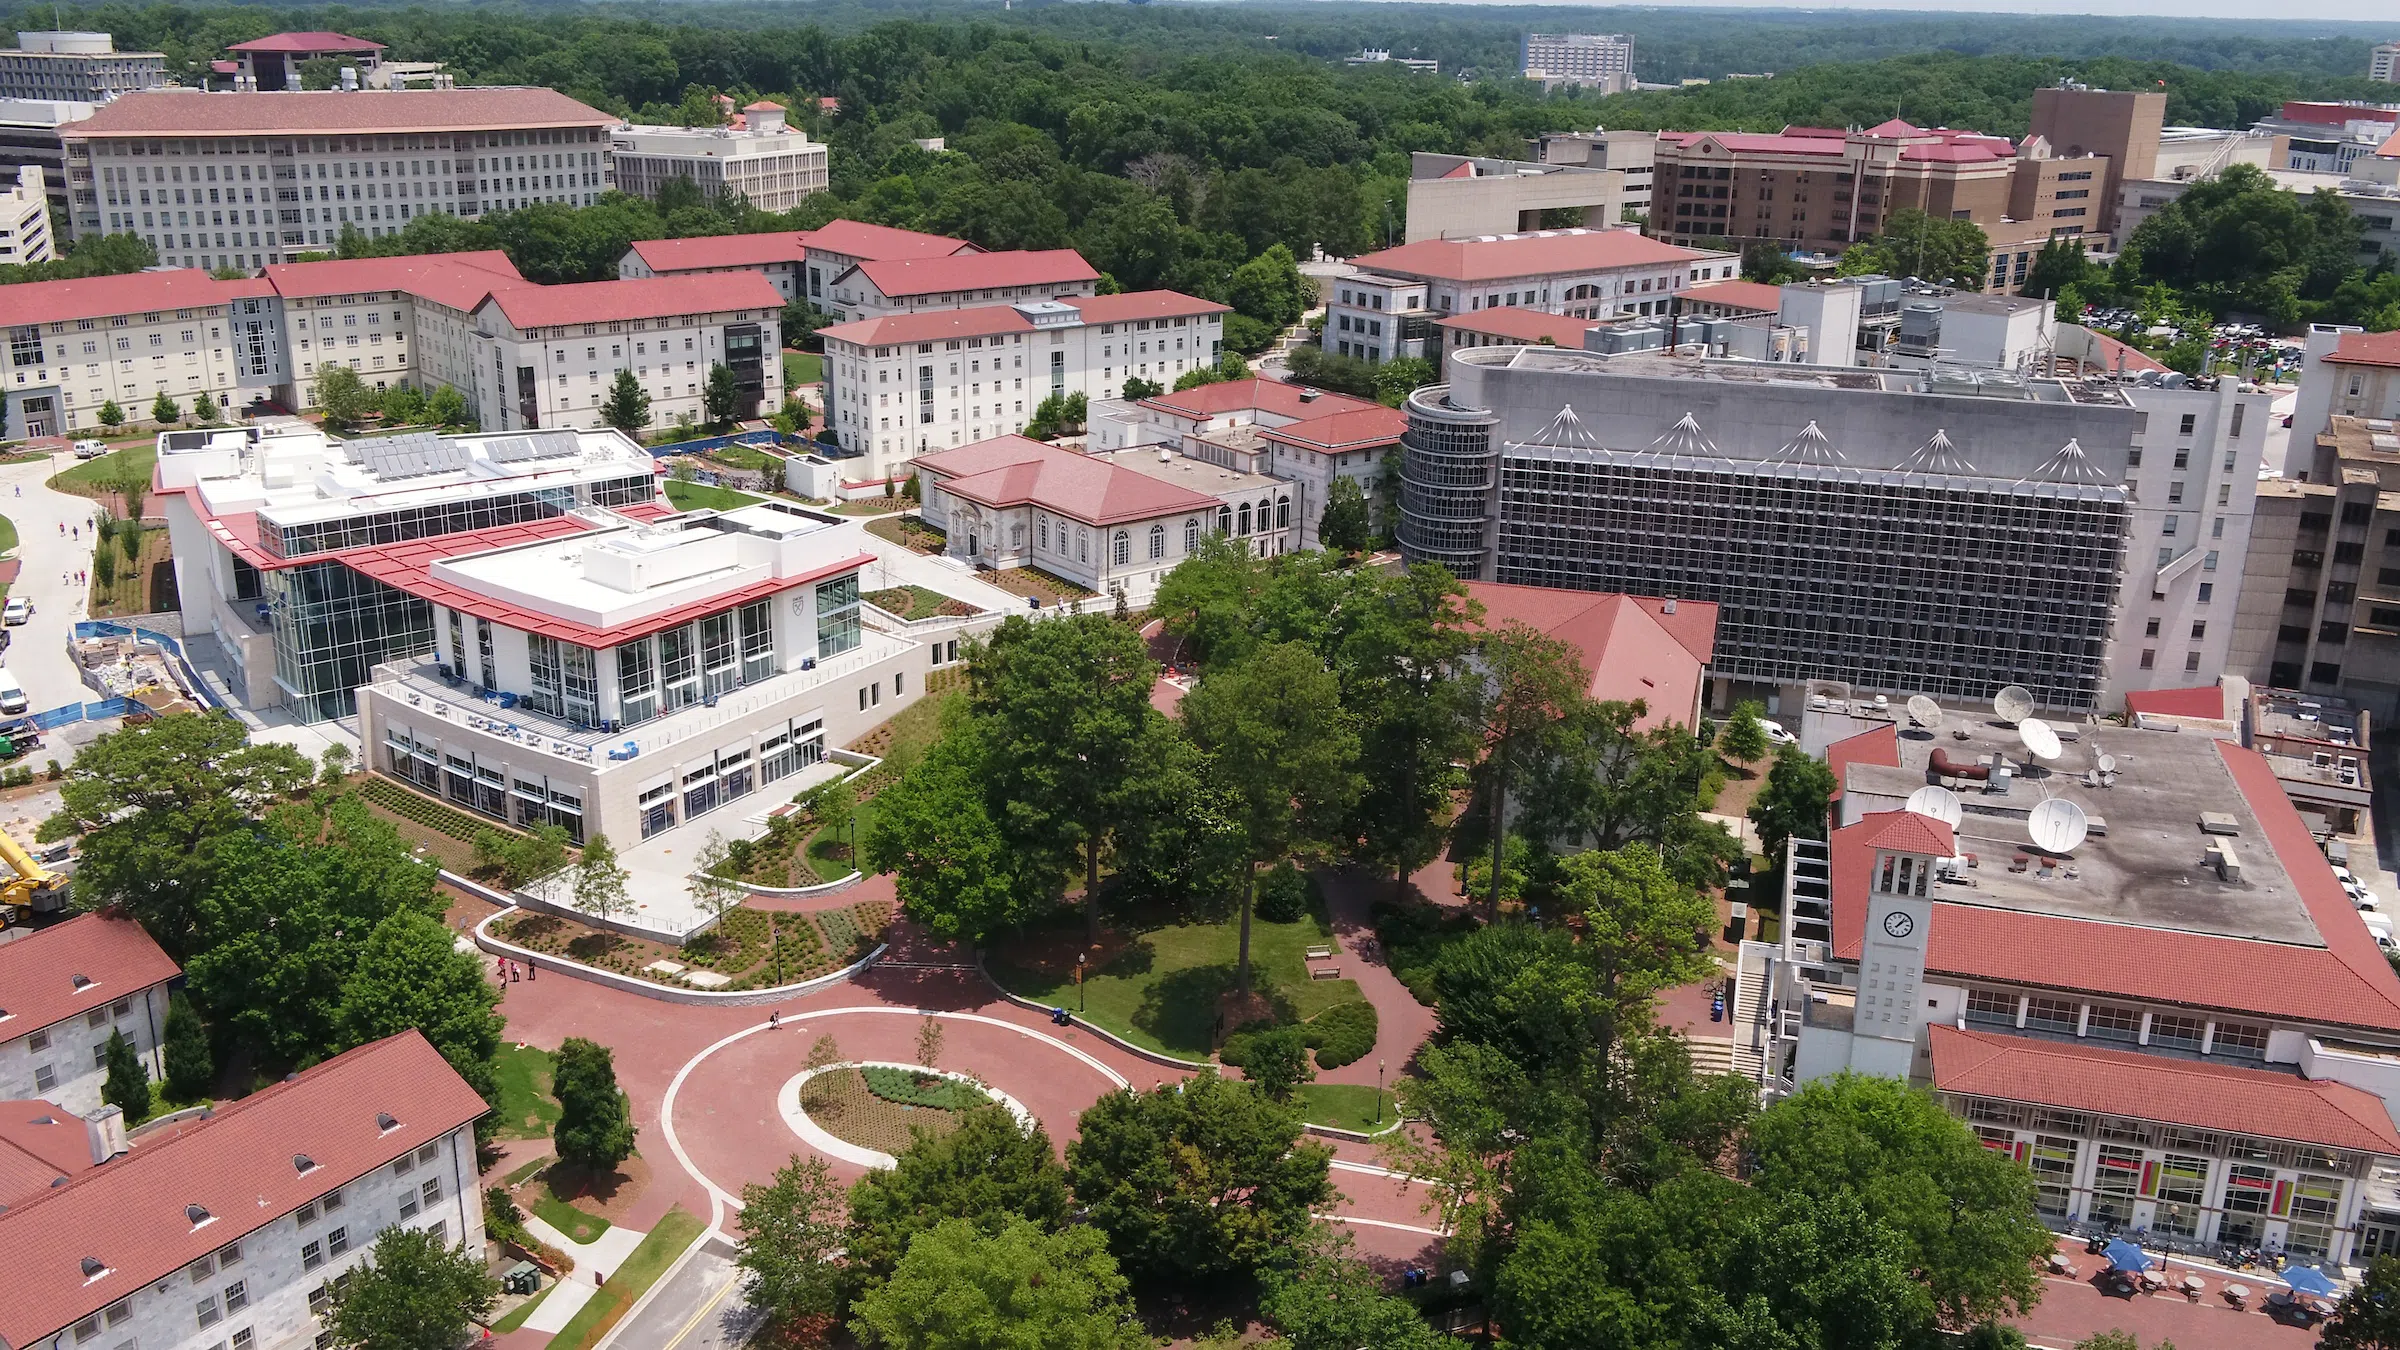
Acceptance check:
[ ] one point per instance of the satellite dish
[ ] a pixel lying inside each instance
(2039, 738)
(1938, 802)
(2058, 826)
(1925, 713)
(2013, 704)
(2107, 764)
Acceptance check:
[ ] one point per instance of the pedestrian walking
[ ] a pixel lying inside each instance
(513, 972)
(531, 970)
(774, 1019)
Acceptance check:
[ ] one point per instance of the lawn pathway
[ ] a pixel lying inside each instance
(595, 1261)
(1401, 1023)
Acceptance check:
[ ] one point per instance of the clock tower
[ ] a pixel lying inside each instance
(1891, 958)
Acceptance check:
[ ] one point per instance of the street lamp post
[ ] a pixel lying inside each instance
(1083, 1000)
(1379, 1092)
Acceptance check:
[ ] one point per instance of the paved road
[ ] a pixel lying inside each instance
(698, 1307)
(37, 653)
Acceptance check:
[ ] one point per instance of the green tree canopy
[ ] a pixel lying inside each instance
(409, 973)
(1343, 526)
(987, 1171)
(415, 1292)
(791, 1243)
(954, 867)
(1914, 244)
(342, 397)
(1793, 804)
(128, 1084)
(1743, 737)
(191, 1068)
(628, 405)
(1020, 1288)
(595, 1123)
(2368, 1317)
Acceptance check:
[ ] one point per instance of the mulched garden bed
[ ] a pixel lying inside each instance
(755, 949)
(851, 1110)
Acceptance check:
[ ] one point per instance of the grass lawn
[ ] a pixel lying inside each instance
(1346, 1106)
(516, 1317)
(8, 535)
(702, 497)
(1160, 990)
(527, 1169)
(145, 585)
(575, 1223)
(96, 476)
(801, 368)
(633, 1279)
(527, 1110)
(917, 602)
(829, 848)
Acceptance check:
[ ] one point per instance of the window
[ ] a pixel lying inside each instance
(44, 1078)
(206, 1310)
(1158, 542)
(432, 1191)
(2050, 1014)
(237, 1296)
(1121, 549)
(38, 1041)
(2116, 1180)
(312, 1255)
(2239, 1039)
(1991, 1007)
(2200, 630)
(2182, 1186)
(2107, 1023)
(2175, 1033)
(1191, 534)
(2248, 1188)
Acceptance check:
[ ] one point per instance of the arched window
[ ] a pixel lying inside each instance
(1191, 534)
(1123, 552)
(1224, 520)
(1584, 292)
(1041, 531)
(1158, 542)
(1083, 544)
(1283, 513)
(1245, 518)
(1263, 505)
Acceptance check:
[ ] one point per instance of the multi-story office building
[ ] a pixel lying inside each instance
(2321, 589)
(67, 989)
(766, 163)
(2121, 128)
(2330, 137)
(1602, 61)
(239, 1228)
(2383, 63)
(902, 386)
(1390, 306)
(247, 179)
(1462, 196)
(1816, 188)
(2174, 1017)
(76, 345)
(25, 220)
(1632, 153)
(1910, 533)
(883, 287)
(844, 244)
(76, 68)
(29, 134)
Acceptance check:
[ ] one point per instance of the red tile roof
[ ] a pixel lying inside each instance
(857, 239)
(2116, 355)
(40, 1143)
(237, 1165)
(307, 42)
(334, 112)
(35, 302)
(1526, 255)
(1750, 295)
(2206, 701)
(644, 298)
(941, 325)
(1518, 324)
(1629, 645)
(459, 280)
(1350, 429)
(2208, 1096)
(1127, 306)
(1880, 746)
(1908, 832)
(1297, 402)
(2334, 114)
(2357, 349)
(2346, 982)
(39, 972)
(977, 271)
(1017, 471)
(664, 256)
(1894, 128)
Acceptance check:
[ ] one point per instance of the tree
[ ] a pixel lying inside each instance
(1330, 1300)
(929, 1040)
(343, 398)
(1963, 1214)
(1400, 656)
(1208, 601)
(721, 398)
(595, 1123)
(2368, 1317)
(2061, 264)
(954, 869)
(1022, 1288)
(1742, 738)
(1526, 992)
(1792, 805)
(1531, 681)
(447, 407)
(191, 1071)
(794, 419)
(153, 801)
(1198, 1178)
(203, 407)
(1764, 260)
(628, 405)
(714, 882)
(1283, 749)
(320, 72)
(791, 1243)
(111, 416)
(128, 1085)
(599, 887)
(987, 1171)
(1915, 244)
(164, 411)
(415, 1292)
(1276, 1062)
(1344, 524)
(1401, 376)
(1270, 289)
(1137, 387)
(410, 973)
(333, 766)
(403, 405)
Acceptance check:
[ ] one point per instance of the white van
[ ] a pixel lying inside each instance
(12, 695)
(2380, 925)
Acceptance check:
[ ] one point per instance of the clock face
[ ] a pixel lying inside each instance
(1898, 924)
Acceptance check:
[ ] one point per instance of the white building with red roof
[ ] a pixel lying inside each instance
(2346, 372)
(63, 990)
(249, 179)
(1112, 523)
(235, 1229)
(886, 286)
(1388, 309)
(1642, 649)
(2169, 1009)
(908, 384)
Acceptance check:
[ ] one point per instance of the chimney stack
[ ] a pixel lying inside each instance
(105, 1128)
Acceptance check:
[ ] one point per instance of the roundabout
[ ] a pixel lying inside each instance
(829, 1138)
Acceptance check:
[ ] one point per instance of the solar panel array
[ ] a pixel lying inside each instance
(553, 444)
(409, 455)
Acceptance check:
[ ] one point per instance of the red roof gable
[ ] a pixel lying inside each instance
(68, 969)
(1518, 324)
(1018, 471)
(1631, 648)
(977, 271)
(307, 42)
(33, 302)
(941, 325)
(1337, 432)
(644, 298)
(1752, 295)
(1526, 255)
(722, 250)
(1880, 746)
(2355, 349)
(1908, 832)
(2208, 1096)
(1126, 306)
(2205, 701)
(1294, 401)
(459, 280)
(236, 1164)
(858, 239)
(40, 1145)
(1894, 128)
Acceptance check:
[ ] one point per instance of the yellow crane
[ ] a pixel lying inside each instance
(31, 887)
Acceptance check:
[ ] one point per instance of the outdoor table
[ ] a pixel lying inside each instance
(2238, 1293)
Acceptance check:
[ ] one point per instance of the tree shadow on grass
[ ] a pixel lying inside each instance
(1180, 1008)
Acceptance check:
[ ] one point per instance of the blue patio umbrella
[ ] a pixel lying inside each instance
(2309, 1280)
(2123, 1255)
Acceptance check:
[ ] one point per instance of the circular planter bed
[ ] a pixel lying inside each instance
(864, 1112)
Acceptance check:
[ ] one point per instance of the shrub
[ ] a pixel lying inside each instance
(1342, 1034)
(911, 1088)
(1236, 1050)
(1413, 937)
(1286, 894)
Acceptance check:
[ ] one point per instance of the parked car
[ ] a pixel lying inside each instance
(19, 610)
(90, 449)
(1776, 735)
(12, 695)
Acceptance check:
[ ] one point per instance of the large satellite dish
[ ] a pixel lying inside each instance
(2058, 826)
(2039, 738)
(2013, 704)
(1925, 713)
(1938, 802)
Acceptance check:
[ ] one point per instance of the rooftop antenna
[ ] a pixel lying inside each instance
(2013, 704)
(1938, 802)
(2058, 826)
(2040, 741)
(1925, 712)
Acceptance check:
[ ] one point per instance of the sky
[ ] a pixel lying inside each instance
(2353, 11)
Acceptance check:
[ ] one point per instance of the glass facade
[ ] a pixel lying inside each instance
(420, 522)
(1446, 481)
(332, 627)
(713, 655)
(837, 616)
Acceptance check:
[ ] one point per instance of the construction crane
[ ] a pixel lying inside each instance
(32, 887)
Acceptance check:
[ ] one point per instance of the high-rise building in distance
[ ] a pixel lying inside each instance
(1603, 61)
